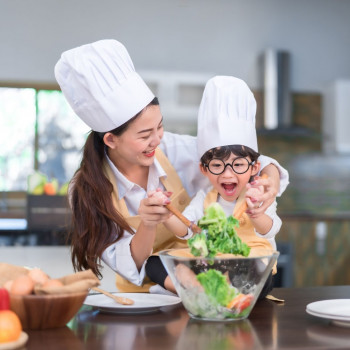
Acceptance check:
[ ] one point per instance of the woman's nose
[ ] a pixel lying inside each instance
(156, 139)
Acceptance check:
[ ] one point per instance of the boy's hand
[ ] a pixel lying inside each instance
(263, 198)
(252, 203)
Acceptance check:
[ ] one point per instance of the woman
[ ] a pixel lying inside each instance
(113, 219)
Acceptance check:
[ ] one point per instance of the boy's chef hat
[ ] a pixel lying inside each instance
(100, 83)
(226, 115)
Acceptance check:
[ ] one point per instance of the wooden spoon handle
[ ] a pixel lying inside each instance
(193, 227)
(119, 300)
(241, 210)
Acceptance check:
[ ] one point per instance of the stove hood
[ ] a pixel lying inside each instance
(277, 97)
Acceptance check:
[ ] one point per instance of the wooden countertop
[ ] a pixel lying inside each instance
(270, 326)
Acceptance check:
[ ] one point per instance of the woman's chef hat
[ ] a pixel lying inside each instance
(100, 83)
(226, 115)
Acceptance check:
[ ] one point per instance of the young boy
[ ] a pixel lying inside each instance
(227, 146)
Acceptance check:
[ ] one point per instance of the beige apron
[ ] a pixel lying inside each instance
(246, 229)
(165, 239)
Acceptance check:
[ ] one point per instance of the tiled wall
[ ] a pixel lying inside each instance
(304, 137)
(318, 260)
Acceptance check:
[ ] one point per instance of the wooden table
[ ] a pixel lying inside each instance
(270, 326)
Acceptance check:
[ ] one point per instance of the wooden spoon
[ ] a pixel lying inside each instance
(119, 300)
(193, 227)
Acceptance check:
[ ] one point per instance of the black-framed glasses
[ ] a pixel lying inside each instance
(239, 165)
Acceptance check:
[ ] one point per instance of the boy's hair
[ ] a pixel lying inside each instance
(224, 153)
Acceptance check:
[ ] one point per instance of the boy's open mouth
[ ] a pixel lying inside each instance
(229, 187)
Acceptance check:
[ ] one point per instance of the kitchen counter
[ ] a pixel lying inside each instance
(270, 326)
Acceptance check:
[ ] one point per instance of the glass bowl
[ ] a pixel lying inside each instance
(222, 288)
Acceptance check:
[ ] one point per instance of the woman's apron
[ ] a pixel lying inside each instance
(246, 229)
(164, 239)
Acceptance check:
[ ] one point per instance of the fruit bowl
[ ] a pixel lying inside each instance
(46, 311)
(41, 302)
(222, 288)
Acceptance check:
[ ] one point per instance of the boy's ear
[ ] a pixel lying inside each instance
(203, 169)
(256, 168)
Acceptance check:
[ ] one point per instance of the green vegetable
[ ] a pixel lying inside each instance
(219, 235)
(64, 189)
(199, 245)
(36, 183)
(216, 286)
(214, 220)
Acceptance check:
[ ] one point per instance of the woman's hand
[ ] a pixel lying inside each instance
(152, 209)
(261, 193)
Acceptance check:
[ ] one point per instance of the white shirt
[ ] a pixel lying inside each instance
(195, 210)
(181, 150)
(118, 255)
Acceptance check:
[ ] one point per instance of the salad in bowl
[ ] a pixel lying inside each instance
(218, 277)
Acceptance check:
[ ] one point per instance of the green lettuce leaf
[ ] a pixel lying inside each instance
(216, 286)
(218, 235)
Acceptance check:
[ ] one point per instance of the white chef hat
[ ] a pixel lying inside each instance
(226, 115)
(100, 83)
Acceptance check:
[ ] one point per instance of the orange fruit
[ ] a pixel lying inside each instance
(49, 189)
(10, 326)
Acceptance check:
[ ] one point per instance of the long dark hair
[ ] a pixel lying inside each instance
(96, 224)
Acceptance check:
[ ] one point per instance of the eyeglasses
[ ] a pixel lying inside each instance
(239, 165)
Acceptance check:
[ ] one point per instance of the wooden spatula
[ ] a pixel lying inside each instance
(194, 228)
(119, 300)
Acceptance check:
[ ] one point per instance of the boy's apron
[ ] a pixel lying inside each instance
(165, 239)
(246, 229)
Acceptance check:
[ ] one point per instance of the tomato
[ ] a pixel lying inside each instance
(4, 299)
(10, 325)
(240, 302)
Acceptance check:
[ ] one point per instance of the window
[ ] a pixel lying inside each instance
(38, 131)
